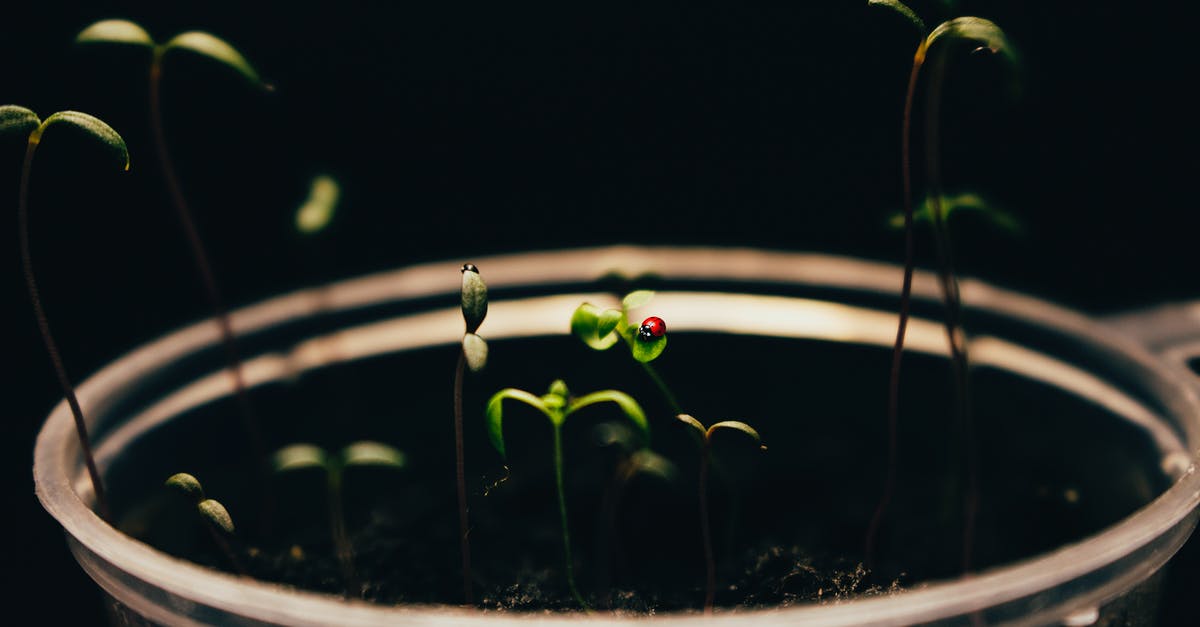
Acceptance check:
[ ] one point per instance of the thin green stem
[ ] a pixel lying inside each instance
(562, 513)
(48, 339)
(460, 466)
(662, 387)
(337, 526)
(710, 582)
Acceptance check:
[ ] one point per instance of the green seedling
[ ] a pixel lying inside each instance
(308, 456)
(317, 210)
(474, 356)
(602, 329)
(126, 33)
(932, 48)
(634, 459)
(961, 204)
(557, 404)
(216, 518)
(25, 123)
(705, 436)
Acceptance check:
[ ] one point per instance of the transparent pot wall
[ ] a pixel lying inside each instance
(1084, 485)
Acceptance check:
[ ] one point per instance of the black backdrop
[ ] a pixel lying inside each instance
(458, 130)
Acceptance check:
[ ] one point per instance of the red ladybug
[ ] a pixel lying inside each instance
(652, 327)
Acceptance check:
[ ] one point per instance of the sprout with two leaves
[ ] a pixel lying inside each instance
(474, 356)
(309, 456)
(705, 437)
(216, 518)
(127, 33)
(557, 404)
(26, 124)
(933, 47)
(601, 329)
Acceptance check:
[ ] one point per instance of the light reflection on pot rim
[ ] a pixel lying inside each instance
(1155, 530)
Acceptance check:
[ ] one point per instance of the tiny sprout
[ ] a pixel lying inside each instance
(557, 404)
(317, 210)
(959, 204)
(601, 329)
(218, 521)
(364, 453)
(25, 123)
(705, 437)
(474, 353)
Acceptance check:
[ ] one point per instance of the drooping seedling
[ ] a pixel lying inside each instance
(602, 329)
(126, 33)
(25, 123)
(705, 438)
(474, 356)
(933, 48)
(309, 456)
(557, 404)
(216, 518)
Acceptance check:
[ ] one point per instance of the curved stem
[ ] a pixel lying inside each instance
(710, 581)
(223, 544)
(662, 387)
(893, 408)
(562, 513)
(44, 327)
(196, 245)
(953, 315)
(460, 466)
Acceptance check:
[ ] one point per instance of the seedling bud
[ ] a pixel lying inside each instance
(216, 514)
(474, 297)
(476, 351)
(188, 485)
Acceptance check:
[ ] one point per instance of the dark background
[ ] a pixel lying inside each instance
(459, 130)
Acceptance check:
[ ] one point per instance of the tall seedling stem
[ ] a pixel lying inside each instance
(20, 119)
(474, 355)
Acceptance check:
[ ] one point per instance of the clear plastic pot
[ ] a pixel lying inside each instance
(727, 291)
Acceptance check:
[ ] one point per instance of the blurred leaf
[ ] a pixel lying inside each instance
(973, 29)
(646, 461)
(115, 32)
(609, 319)
(959, 203)
(693, 423)
(636, 299)
(628, 406)
(369, 453)
(317, 210)
(588, 320)
(736, 426)
(902, 9)
(299, 456)
(215, 48)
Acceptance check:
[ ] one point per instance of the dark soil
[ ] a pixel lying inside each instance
(789, 523)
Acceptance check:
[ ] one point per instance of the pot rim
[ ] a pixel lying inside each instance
(1172, 512)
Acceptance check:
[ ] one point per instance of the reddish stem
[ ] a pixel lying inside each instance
(44, 326)
(710, 583)
(460, 467)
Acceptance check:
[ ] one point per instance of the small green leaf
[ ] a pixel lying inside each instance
(18, 120)
(694, 424)
(317, 211)
(186, 484)
(956, 204)
(609, 319)
(92, 126)
(646, 461)
(476, 351)
(628, 406)
(215, 48)
(216, 514)
(368, 453)
(647, 350)
(973, 29)
(618, 434)
(115, 32)
(586, 324)
(902, 9)
(495, 413)
(558, 388)
(299, 456)
(736, 426)
(636, 299)
(474, 297)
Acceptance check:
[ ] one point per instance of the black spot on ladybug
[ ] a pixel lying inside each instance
(652, 328)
